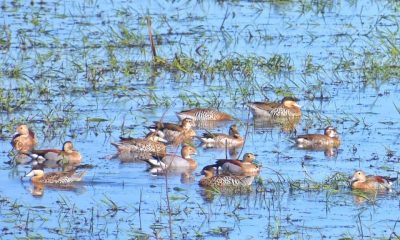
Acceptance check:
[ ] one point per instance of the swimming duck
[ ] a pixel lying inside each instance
(152, 143)
(362, 182)
(38, 176)
(221, 181)
(223, 140)
(24, 139)
(56, 157)
(172, 161)
(329, 139)
(204, 114)
(288, 107)
(237, 167)
(176, 132)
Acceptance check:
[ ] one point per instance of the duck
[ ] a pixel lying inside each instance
(24, 140)
(38, 176)
(239, 167)
(361, 181)
(176, 132)
(153, 143)
(288, 107)
(172, 161)
(223, 181)
(330, 138)
(56, 157)
(204, 114)
(223, 140)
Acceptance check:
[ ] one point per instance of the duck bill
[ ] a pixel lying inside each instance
(297, 105)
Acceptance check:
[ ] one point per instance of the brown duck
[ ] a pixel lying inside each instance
(238, 167)
(361, 181)
(204, 114)
(176, 132)
(288, 107)
(330, 138)
(223, 140)
(24, 139)
(38, 176)
(58, 157)
(152, 143)
(223, 181)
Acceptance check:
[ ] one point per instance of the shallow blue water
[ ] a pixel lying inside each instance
(365, 116)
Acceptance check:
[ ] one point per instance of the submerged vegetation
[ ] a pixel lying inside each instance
(86, 71)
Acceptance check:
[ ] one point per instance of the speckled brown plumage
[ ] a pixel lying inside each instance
(204, 114)
(223, 181)
(38, 176)
(152, 144)
(286, 108)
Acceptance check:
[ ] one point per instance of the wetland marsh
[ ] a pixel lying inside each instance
(84, 71)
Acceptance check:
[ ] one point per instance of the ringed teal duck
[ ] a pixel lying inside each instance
(363, 182)
(329, 139)
(204, 114)
(237, 167)
(288, 107)
(38, 176)
(176, 132)
(152, 143)
(24, 139)
(223, 181)
(172, 161)
(223, 140)
(56, 157)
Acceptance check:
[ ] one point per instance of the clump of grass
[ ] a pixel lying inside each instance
(332, 183)
(5, 38)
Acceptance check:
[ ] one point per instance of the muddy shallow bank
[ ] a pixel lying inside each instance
(85, 72)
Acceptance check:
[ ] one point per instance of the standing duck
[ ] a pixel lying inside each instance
(56, 157)
(223, 140)
(330, 138)
(361, 181)
(237, 167)
(288, 107)
(204, 114)
(38, 176)
(24, 139)
(152, 144)
(171, 161)
(223, 181)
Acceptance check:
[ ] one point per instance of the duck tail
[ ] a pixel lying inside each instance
(154, 162)
(391, 180)
(248, 180)
(36, 157)
(78, 176)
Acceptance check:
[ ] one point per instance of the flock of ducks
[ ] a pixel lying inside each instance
(224, 173)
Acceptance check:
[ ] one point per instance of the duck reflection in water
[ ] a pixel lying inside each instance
(38, 189)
